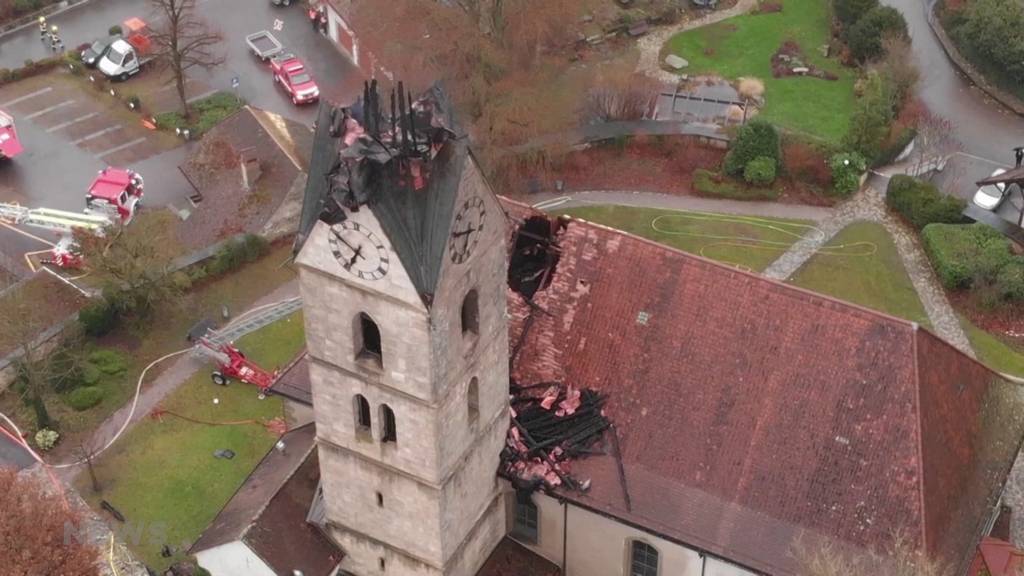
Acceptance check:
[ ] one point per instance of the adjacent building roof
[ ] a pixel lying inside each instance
(997, 558)
(750, 413)
(279, 150)
(510, 558)
(294, 382)
(268, 512)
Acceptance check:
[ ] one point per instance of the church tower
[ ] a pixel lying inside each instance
(403, 279)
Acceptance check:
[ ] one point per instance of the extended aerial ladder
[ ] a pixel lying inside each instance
(62, 222)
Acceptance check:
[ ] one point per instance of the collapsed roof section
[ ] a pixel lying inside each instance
(399, 157)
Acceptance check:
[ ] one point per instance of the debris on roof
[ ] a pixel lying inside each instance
(534, 255)
(548, 430)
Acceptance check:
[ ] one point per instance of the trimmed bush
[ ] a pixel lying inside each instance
(961, 254)
(715, 185)
(755, 139)
(865, 37)
(98, 318)
(921, 203)
(848, 12)
(46, 439)
(109, 361)
(85, 397)
(1010, 281)
(91, 374)
(760, 171)
(846, 171)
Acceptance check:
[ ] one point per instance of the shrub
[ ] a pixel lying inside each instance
(864, 39)
(1009, 282)
(871, 117)
(46, 439)
(807, 163)
(109, 361)
(25, 6)
(711, 184)
(760, 171)
(990, 32)
(236, 252)
(847, 168)
(85, 397)
(849, 11)
(91, 374)
(115, 30)
(208, 112)
(756, 138)
(921, 203)
(98, 318)
(961, 254)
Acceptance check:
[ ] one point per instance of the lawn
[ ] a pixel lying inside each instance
(992, 351)
(163, 333)
(162, 474)
(743, 46)
(749, 242)
(861, 265)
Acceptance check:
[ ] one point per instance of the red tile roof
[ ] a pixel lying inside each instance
(750, 411)
(997, 558)
(510, 558)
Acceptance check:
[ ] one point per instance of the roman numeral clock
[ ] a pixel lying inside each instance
(469, 222)
(359, 250)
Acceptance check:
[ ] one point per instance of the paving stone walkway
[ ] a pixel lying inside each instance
(651, 44)
(869, 205)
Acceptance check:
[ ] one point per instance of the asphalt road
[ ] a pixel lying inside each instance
(984, 126)
(54, 173)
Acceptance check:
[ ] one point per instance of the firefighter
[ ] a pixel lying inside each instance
(55, 42)
(43, 30)
(314, 17)
(322, 19)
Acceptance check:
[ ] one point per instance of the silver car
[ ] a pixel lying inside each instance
(990, 197)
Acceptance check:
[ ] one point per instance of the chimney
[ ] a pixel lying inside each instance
(250, 166)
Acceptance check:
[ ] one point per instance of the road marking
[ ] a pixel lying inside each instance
(97, 134)
(63, 125)
(57, 106)
(121, 147)
(201, 96)
(10, 103)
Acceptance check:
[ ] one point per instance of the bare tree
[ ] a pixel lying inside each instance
(621, 97)
(935, 142)
(184, 41)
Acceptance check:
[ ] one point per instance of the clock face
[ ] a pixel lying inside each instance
(469, 223)
(358, 250)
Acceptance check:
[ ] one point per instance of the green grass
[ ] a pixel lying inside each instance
(995, 353)
(861, 265)
(743, 46)
(750, 242)
(206, 113)
(162, 473)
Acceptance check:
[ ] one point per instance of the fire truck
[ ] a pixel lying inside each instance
(10, 146)
(114, 197)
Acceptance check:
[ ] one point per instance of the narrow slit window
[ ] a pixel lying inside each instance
(471, 314)
(362, 408)
(390, 430)
(380, 500)
(369, 340)
(473, 400)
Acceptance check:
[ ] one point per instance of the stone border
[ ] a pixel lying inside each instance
(1005, 98)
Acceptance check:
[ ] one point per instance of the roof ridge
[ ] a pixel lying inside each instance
(918, 428)
(256, 113)
(754, 275)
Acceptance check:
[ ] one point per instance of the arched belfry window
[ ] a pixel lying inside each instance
(389, 429)
(471, 314)
(368, 344)
(362, 410)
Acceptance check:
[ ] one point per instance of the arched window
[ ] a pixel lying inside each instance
(368, 340)
(643, 559)
(473, 400)
(471, 313)
(389, 431)
(362, 409)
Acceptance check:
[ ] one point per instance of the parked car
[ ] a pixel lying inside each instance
(990, 197)
(91, 56)
(291, 74)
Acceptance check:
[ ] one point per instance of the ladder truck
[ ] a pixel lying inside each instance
(10, 145)
(114, 196)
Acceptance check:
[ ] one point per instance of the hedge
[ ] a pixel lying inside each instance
(85, 397)
(207, 113)
(963, 254)
(921, 203)
(755, 139)
(711, 184)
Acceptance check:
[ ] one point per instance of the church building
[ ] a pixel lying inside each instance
(502, 392)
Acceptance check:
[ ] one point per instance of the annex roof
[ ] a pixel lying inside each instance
(750, 412)
(997, 558)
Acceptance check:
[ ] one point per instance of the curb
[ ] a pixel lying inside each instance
(31, 19)
(1010, 102)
